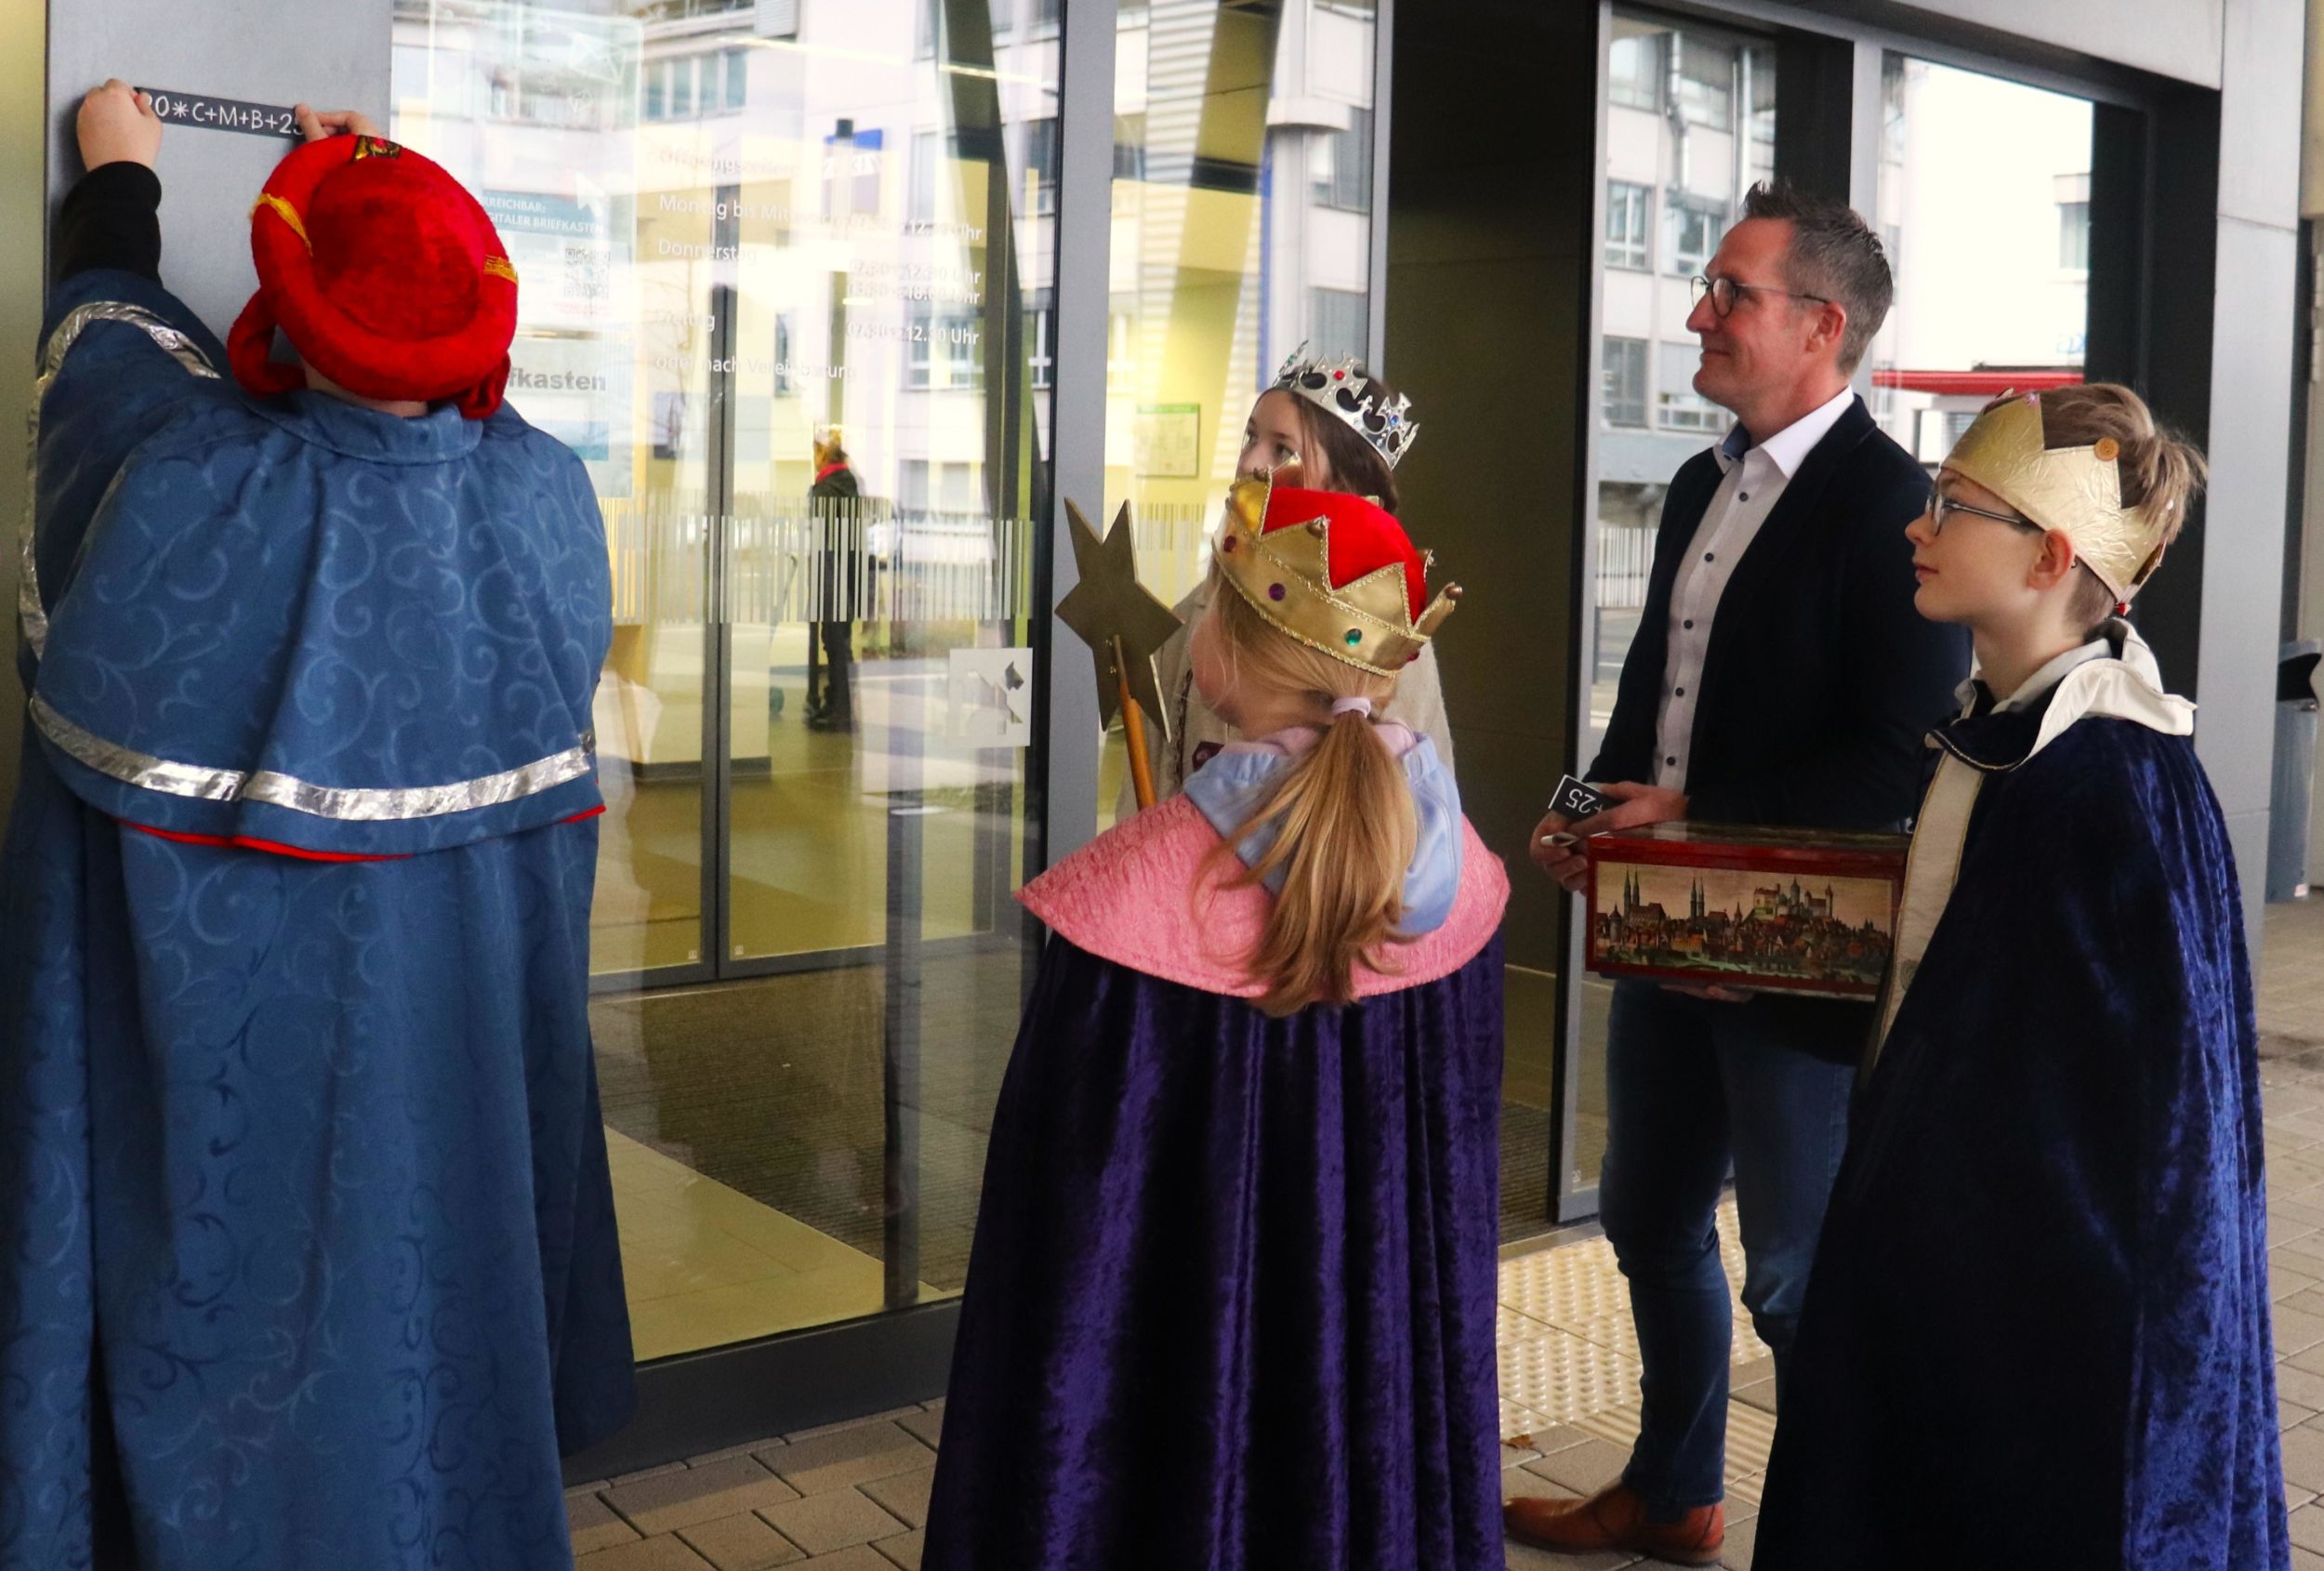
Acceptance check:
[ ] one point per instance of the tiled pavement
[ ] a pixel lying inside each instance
(853, 1497)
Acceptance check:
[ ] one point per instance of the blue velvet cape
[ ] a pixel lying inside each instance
(307, 1250)
(1231, 1303)
(2036, 1334)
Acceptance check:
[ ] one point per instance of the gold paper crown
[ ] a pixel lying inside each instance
(1285, 574)
(2077, 491)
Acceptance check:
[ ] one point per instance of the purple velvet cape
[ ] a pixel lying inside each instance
(2036, 1334)
(1230, 1304)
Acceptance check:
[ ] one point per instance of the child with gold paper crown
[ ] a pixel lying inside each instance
(1230, 1298)
(2038, 1330)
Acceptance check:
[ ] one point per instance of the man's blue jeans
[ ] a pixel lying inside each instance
(1692, 1086)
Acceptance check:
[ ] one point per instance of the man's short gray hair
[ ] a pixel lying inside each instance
(1834, 254)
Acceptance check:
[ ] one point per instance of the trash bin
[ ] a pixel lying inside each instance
(2295, 770)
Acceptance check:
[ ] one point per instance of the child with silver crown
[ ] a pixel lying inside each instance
(1231, 1300)
(1344, 431)
(2041, 1291)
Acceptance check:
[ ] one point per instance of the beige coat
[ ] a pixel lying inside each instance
(1419, 703)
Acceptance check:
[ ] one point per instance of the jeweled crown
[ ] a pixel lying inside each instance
(2077, 491)
(1337, 386)
(1335, 572)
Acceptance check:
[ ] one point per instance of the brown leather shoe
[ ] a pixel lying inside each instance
(1615, 1518)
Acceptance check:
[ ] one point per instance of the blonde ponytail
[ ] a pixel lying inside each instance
(1345, 826)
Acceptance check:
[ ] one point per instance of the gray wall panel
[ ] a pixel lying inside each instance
(1077, 424)
(266, 51)
(2176, 38)
(2246, 835)
(1491, 251)
(2244, 523)
(2259, 118)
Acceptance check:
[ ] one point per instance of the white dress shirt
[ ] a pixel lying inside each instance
(1754, 478)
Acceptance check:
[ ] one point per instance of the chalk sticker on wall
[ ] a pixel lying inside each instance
(223, 114)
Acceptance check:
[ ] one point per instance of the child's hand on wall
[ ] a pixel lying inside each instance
(117, 126)
(314, 126)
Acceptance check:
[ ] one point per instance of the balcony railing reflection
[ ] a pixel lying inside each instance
(840, 559)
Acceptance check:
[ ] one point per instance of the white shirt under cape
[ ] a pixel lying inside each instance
(1418, 702)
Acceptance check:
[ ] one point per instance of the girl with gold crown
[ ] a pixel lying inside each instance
(2038, 1330)
(1344, 431)
(1230, 1298)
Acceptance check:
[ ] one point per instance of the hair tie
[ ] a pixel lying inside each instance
(1353, 705)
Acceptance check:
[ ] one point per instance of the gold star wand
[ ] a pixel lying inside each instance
(1125, 627)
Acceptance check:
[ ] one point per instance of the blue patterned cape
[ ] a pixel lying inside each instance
(307, 1247)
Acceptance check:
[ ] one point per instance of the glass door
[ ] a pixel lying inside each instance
(783, 274)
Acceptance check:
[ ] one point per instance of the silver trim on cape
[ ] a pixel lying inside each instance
(347, 804)
(32, 615)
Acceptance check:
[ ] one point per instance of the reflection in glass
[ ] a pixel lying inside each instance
(783, 278)
(1242, 229)
(1690, 126)
(1985, 205)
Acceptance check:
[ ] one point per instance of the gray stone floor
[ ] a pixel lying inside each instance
(854, 1497)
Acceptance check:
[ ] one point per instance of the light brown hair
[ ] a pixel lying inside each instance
(1345, 823)
(2158, 471)
(1356, 466)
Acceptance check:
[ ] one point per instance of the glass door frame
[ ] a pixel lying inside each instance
(704, 1401)
(1828, 132)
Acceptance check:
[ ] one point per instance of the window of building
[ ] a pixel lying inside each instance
(1985, 200)
(737, 79)
(1707, 84)
(1040, 327)
(1695, 230)
(1047, 14)
(927, 176)
(1625, 374)
(1635, 70)
(785, 379)
(1004, 13)
(1625, 236)
(1130, 147)
(2073, 199)
(2074, 236)
(1040, 165)
(1122, 349)
(1689, 411)
(1337, 323)
(1341, 165)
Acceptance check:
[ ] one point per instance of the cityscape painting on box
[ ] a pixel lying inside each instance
(1749, 910)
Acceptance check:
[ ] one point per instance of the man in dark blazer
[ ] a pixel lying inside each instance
(1780, 676)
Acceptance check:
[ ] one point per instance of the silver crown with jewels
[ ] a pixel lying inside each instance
(1337, 386)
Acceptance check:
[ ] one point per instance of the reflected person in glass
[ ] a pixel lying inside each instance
(839, 539)
(1231, 1301)
(1333, 421)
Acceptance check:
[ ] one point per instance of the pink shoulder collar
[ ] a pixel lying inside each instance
(1131, 896)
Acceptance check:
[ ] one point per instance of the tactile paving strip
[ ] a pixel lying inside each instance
(1568, 1348)
(1751, 1436)
(1562, 1377)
